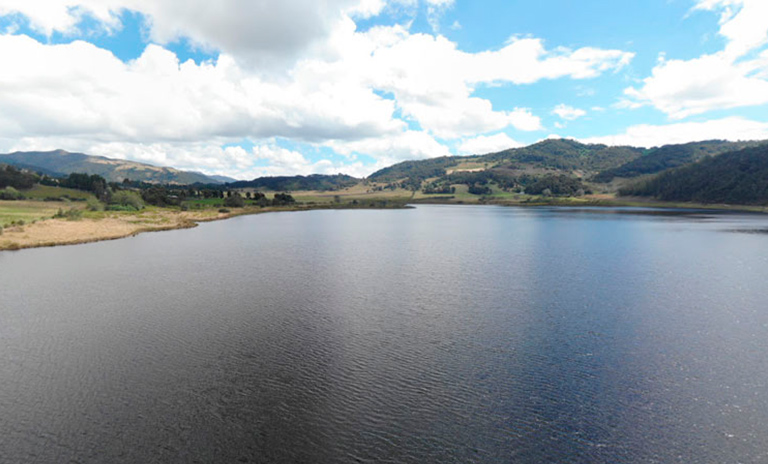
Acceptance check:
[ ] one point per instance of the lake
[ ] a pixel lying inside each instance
(440, 334)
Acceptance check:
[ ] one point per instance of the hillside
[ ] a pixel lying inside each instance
(60, 163)
(739, 177)
(668, 157)
(561, 155)
(566, 155)
(294, 183)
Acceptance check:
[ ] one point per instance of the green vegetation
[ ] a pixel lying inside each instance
(291, 183)
(125, 200)
(72, 214)
(566, 155)
(424, 169)
(10, 193)
(53, 193)
(26, 211)
(739, 177)
(16, 178)
(234, 201)
(670, 156)
(558, 185)
(556, 154)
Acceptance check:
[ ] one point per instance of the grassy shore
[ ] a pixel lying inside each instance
(30, 224)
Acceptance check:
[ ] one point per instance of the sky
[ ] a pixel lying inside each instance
(250, 88)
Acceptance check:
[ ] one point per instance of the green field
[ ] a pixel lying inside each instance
(41, 192)
(28, 211)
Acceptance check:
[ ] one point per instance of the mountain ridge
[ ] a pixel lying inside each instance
(61, 163)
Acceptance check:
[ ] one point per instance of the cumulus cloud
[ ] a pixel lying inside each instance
(646, 135)
(354, 91)
(433, 81)
(257, 31)
(742, 22)
(568, 113)
(409, 145)
(733, 77)
(488, 144)
(79, 89)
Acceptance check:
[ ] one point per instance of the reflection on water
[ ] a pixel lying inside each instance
(438, 334)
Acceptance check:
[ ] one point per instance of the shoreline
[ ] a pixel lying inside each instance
(53, 232)
(628, 202)
(62, 232)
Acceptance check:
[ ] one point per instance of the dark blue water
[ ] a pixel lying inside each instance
(432, 335)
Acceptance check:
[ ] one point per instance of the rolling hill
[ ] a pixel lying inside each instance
(61, 163)
(561, 155)
(739, 177)
(670, 156)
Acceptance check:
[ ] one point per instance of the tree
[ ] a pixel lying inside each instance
(234, 201)
(283, 199)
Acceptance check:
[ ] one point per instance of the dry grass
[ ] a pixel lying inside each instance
(62, 232)
(97, 226)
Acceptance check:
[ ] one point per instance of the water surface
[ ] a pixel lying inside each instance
(433, 335)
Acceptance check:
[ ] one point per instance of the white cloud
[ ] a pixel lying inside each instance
(743, 23)
(684, 88)
(409, 145)
(257, 31)
(731, 78)
(435, 9)
(488, 144)
(568, 113)
(433, 81)
(336, 87)
(645, 135)
(81, 90)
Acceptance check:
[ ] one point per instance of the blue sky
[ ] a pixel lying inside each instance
(247, 88)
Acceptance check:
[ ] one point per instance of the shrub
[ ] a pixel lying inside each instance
(234, 201)
(69, 215)
(127, 198)
(95, 205)
(223, 210)
(1, 230)
(10, 193)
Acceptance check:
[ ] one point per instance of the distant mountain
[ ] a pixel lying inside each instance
(223, 179)
(61, 163)
(562, 155)
(297, 183)
(670, 156)
(739, 177)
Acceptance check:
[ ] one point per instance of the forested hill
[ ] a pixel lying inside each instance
(297, 183)
(59, 163)
(739, 177)
(567, 156)
(670, 156)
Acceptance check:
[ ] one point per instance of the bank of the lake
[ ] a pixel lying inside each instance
(115, 225)
(100, 226)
